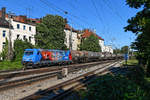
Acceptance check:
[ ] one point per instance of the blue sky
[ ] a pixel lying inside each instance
(106, 17)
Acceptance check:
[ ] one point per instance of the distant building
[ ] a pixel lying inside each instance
(71, 39)
(87, 33)
(108, 49)
(21, 28)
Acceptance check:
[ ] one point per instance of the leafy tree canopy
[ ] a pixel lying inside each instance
(117, 51)
(140, 25)
(124, 49)
(50, 33)
(90, 44)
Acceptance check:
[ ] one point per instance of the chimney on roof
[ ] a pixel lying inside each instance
(3, 13)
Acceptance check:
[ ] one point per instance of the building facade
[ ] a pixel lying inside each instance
(71, 39)
(4, 34)
(101, 43)
(19, 28)
(108, 49)
(23, 31)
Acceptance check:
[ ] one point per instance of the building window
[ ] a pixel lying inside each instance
(29, 28)
(24, 27)
(18, 36)
(29, 38)
(4, 33)
(24, 37)
(18, 26)
(4, 44)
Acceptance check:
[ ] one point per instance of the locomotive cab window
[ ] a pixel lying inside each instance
(38, 53)
(28, 52)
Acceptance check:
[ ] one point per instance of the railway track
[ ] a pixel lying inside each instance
(8, 82)
(59, 91)
(17, 73)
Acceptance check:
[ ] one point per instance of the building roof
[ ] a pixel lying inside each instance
(22, 19)
(87, 33)
(68, 27)
(34, 20)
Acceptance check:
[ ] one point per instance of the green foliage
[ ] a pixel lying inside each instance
(8, 65)
(138, 3)
(131, 62)
(19, 47)
(5, 51)
(109, 87)
(50, 33)
(124, 49)
(117, 51)
(137, 75)
(90, 44)
(140, 25)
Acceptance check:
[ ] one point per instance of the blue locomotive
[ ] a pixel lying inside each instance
(41, 57)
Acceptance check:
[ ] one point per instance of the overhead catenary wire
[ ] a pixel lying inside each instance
(97, 13)
(71, 4)
(64, 12)
(109, 5)
(105, 27)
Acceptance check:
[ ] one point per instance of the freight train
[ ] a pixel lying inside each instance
(47, 57)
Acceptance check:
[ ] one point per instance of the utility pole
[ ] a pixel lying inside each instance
(70, 40)
(10, 49)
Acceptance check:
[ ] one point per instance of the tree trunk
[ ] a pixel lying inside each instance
(148, 68)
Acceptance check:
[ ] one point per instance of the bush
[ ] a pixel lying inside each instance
(4, 52)
(113, 88)
(19, 47)
(137, 75)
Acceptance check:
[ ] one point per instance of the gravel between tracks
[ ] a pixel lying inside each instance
(20, 92)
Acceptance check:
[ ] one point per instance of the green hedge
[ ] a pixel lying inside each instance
(110, 87)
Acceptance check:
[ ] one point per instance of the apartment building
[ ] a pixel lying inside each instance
(71, 39)
(18, 25)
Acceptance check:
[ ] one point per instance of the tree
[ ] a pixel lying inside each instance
(140, 25)
(90, 44)
(124, 49)
(19, 47)
(50, 33)
(117, 51)
(5, 51)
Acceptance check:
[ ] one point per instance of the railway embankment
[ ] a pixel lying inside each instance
(26, 87)
(129, 83)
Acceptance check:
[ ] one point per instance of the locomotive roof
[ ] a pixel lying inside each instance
(45, 49)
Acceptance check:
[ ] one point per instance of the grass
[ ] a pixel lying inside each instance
(7, 65)
(131, 62)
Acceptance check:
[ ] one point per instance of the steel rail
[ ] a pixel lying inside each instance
(64, 84)
(80, 85)
(43, 70)
(25, 81)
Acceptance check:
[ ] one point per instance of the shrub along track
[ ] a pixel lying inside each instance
(42, 74)
(61, 90)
